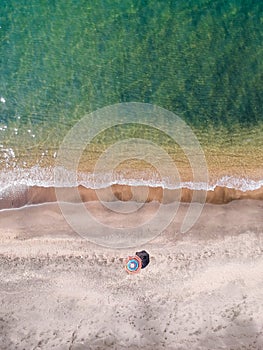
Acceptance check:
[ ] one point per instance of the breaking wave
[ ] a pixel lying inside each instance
(44, 177)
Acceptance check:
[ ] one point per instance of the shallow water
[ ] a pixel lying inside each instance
(200, 60)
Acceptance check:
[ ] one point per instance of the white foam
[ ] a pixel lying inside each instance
(242, 184)
(44, 177)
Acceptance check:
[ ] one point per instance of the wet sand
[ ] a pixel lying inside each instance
(201, 290)
(16, 197)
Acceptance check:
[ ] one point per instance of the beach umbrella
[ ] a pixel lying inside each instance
(134, 264)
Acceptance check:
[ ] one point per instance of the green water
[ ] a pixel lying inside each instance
(201, 59)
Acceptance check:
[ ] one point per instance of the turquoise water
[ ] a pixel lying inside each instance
(201, 59)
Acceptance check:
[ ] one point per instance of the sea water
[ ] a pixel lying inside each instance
(199, 59)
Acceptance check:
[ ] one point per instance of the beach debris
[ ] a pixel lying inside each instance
(134, 264)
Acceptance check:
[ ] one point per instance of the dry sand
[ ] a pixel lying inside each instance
(201, 290)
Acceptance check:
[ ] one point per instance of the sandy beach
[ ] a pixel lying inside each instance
(128, 126)
(202, 290)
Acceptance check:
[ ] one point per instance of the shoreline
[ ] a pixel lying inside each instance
(26, 195)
